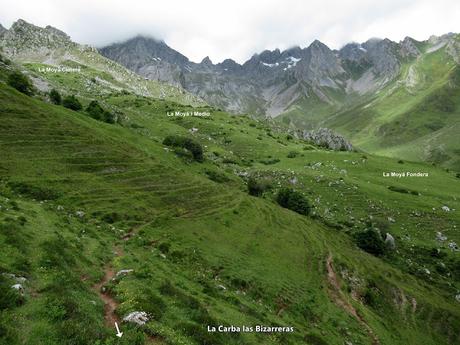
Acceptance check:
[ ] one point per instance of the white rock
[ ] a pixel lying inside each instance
(80, 214)
(124, 272)
(18, 287)
(453, 246)
(390, 241)
(137, 317)
(440, 237)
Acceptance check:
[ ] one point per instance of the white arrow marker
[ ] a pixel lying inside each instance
(119, 334)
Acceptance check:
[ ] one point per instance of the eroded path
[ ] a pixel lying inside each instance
(110, 304)
(339, 299)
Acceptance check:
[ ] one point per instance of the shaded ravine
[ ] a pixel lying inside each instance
(341, 301)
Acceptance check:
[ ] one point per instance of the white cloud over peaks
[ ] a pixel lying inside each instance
(238, 28)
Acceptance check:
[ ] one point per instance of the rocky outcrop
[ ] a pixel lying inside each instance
(25, 39)
(327, 138)
(2, 30)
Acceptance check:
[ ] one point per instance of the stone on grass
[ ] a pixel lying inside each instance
(137, 317)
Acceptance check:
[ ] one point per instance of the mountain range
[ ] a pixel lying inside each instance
(363, 90)
(396, 99)
(132, 212)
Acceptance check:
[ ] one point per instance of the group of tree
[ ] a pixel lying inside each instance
(94, 109)
(189, 144)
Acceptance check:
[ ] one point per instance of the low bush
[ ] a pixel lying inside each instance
(292, 154)
(216, 176)
(269, 161)
(71, 102)
(293, 200)
(21, 83)
(256, 187)
(189, 144)
(402, 190)
(371, 241)
(55, 97)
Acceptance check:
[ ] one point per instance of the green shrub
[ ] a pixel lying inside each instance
(292, 154)
(71, 102)
(55, 97)
(95, 110)
(216, 176)
(21, 83)
(269, 161)
(403, 190)
(256, 188)
(189, 144)
(371, 241)
(293, 200)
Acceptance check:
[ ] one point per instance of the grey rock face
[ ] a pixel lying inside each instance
(2, 30)
(409, 48)
(327, 138)
(272, 81)
(26, 38)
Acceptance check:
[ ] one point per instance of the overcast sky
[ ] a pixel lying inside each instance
(238, 28)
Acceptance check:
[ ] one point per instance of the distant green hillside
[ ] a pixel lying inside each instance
(81, 200)
(416, 116)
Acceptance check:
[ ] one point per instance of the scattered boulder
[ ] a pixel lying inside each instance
(390, 241)
(453, 246)
(440, 237)
(137, 317)
(80, 214)
(124, 272)
(445, 208)
(19, 288)
(327, 138)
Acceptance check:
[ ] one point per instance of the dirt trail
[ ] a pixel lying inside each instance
(110, 305)
(341, 300)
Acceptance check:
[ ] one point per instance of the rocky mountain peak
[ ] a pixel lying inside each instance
(269, 56)
(141, 51)
(409, 47)
(25, 38)
(206, 62)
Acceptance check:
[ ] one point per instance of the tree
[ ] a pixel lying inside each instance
(55, 97)
(72, 103)
(189, 144)
(293, 200)
(371, 241)
(95, 110)
(255, 188)
(21, 83)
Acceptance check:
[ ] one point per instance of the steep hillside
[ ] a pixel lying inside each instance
(55, 60)
(417, 117)
(104, 220)
(379, 93)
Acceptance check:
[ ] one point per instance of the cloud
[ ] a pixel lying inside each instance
(238, 28)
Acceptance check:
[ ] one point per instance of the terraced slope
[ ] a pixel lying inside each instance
(80, 196)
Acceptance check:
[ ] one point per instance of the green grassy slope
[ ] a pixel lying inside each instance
(205, 252)
(415, 118)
